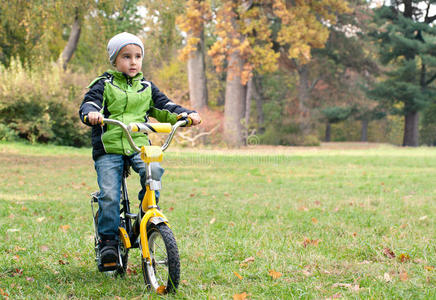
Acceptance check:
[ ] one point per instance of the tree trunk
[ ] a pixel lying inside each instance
(364, 132)
(303, 99)
(197, 77)
(257, 94)
(73, 40)
(411, 133)
(248, 97)
(328, 129)
(234, 108)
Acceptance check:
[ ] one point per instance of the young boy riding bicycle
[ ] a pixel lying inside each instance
(122, 94)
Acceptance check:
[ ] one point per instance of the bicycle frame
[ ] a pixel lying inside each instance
(148, 211)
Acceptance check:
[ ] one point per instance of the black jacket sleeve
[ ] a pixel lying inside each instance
(93, 100)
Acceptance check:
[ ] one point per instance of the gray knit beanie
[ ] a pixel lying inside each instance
(119, 41)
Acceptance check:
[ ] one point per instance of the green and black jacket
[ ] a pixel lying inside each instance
(127, 99)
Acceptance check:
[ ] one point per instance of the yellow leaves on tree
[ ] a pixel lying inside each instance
(192, 22)
(256, 30)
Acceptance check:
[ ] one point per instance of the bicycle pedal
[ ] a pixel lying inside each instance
(111, 266)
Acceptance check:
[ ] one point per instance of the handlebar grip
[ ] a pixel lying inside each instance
(150, 127)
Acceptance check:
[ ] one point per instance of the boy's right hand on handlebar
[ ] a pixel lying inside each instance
(94, 118)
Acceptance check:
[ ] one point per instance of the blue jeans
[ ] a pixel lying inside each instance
(109, 169)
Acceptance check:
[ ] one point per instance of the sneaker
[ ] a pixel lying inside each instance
(108, 254)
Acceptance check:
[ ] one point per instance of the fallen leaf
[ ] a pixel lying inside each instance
(429, 268)
(16, 257)
(308, 241)
(18, 248)
(423, 218)
(387, 277)
(404, 257)
(237, 275)
(12, 230)
(39, 220)
(3, 293)
(212, 221)
(162, 290)
(242, 296)
(49, 288)
(184, 281)
(314, 220)
(388, 253)
(227, 194)
(63, 262)
(403, 226)
(404, 276)
(275, 274)
(171, 208)
(131, 271)
(248, 260)
(192, 195)
(65, 228)
(317, 202)
(17, 272)
(303, 208)
(31, 279)
(353, 287)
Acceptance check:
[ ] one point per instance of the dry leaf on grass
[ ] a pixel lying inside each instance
(388, 253)
(65, 228)
(242, 296)
(352, 287)
(248, 260)
(429, 268)
(387, 277)
(403, 257)
(308, 241)
(314, 220)
(404, 276)
(212, 221)
(423, 218)
(162, 290)
(275, 274)
(3, 293)
(237, 275)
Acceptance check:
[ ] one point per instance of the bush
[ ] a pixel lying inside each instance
(40, 104)
(7, 134)
(428, 126)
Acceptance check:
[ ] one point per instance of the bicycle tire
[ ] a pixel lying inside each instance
(162, 276)
(124, 253)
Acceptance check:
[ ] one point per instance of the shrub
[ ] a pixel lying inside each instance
(40, 103)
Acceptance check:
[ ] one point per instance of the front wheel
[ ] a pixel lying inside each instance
(162, 274)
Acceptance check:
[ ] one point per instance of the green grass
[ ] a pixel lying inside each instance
(323, 218)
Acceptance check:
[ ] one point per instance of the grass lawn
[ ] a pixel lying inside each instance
(261, 223)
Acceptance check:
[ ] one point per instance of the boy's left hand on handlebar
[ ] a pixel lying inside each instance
(195, 117)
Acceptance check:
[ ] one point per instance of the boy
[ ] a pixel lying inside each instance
(122, 94)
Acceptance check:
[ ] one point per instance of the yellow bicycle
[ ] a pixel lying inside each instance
(149, 229)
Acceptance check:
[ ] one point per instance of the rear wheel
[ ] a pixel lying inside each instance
(162, 274)
(123, 253)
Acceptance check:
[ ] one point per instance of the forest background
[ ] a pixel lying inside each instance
(271, 72)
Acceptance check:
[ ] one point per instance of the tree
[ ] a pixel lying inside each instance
(252, 35)
(334, 114)
(192, 22)
(406, 39)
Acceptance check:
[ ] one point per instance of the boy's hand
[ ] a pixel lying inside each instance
(94, 118)
(195, 117)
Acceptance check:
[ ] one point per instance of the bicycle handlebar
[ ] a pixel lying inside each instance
(134, 128)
